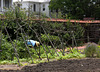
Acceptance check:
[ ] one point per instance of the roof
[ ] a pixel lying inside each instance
(33, 0)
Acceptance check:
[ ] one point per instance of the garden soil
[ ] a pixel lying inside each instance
(69, 65)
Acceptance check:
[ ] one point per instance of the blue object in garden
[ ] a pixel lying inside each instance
(31, 42)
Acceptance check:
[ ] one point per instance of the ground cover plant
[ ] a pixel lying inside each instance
(8, 56)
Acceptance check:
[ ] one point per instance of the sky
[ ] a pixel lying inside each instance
(32, 0)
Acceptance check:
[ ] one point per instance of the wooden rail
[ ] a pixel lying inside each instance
(66, 20)
(73, 21)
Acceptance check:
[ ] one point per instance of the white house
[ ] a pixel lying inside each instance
(5, 3)
(39, 6)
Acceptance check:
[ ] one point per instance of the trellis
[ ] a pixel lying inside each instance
(92, 29)
(92, 32)
(24, 35)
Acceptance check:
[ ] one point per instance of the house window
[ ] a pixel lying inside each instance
(43, 7)
(34, 7)
(7, 3)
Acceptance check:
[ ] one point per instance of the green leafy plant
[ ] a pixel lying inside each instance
(16, 12)
(7, 49)
(21, 49)
(46, 38)
(74, 54)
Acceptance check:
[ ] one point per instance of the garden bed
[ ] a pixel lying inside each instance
(69, 65)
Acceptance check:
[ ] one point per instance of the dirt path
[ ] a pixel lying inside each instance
(71, 65)
(14, 67)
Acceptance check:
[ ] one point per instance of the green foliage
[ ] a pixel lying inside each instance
(57, 27)
(62, 31)
(73, 54)
(48, 37)
(3, 62)
(8, 62)
(92, 50)
(17, 16)
(97, 11)
(7, 49)
(77, 9)
(21, 49)
(15, 13)
(48, 51)
(57, 15)
(73, 31)
(8, 53)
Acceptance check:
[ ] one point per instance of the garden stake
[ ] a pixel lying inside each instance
(31, 44)
(72, 43)
(26, 45)
(25, 41)
(40, 42)
(39, 54)
(34, 47)
(13, 45)
(50, 40)
(49, 49)
(1, 36)
(28, 38)
(62, 46)
(55, 43)
(74, 40)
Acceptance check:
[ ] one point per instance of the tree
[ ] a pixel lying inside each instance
(97, 10)
(76, 9)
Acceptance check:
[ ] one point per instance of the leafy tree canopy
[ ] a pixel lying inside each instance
(77, 9)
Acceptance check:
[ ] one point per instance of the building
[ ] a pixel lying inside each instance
(5, 3)
(38, 6)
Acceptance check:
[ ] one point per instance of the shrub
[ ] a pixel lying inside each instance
(21, 49)
(92, 50)
(16, 12)
(7, 51)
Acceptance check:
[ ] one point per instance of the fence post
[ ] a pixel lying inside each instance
(88, 38)
(1, 35)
